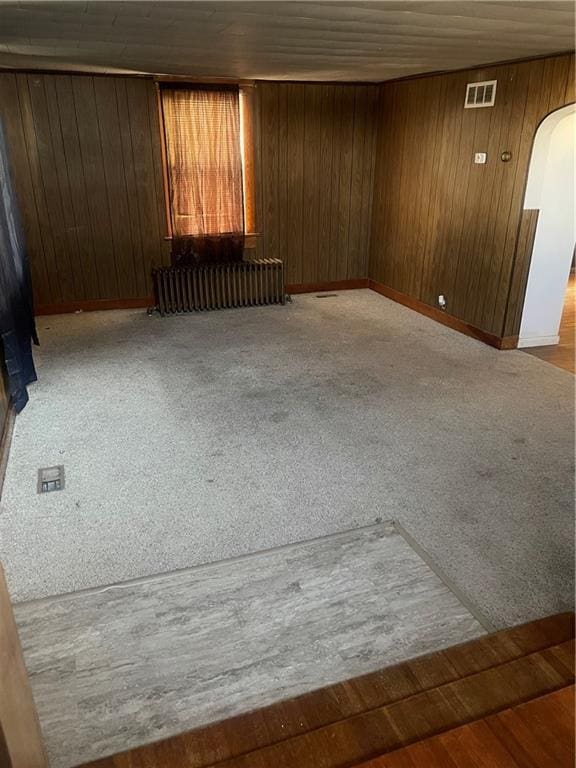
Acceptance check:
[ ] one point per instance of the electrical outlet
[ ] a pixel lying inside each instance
(442, 301)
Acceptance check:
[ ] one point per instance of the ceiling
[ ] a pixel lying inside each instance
(281, 40)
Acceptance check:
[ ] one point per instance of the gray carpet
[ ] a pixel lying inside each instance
(196, 438)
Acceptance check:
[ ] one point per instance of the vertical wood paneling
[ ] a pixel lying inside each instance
(133, 263)
(409, 210)
(87, 167)
(344, 191)
(446, 174)
(324, 212)
(258, 181)
(479, 182)
(91, 152)
(283, 242)
(523, 256)
(145, 142)
(386, 104)
(86, 156)
(338, 167)
(429, 186)
(296, 132)
(316, 151)
(270, 159)
(335, 179)
(115, 183)
(355, 260)
(570, 92)
(461, 203)
(76, 185)
(33, 147)
(161, 251)
(311, 183)
(440, 223)
(75, 283)
(511, 90)
(48, 163)
(366, 192)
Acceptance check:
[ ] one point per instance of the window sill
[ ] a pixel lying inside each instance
(250, 239)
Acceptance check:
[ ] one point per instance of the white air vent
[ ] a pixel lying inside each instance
(480, 94)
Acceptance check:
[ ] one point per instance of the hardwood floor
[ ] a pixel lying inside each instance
(467, 693)
(531, 735)
(563, 354)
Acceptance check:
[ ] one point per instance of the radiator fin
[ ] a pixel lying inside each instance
(219, 286)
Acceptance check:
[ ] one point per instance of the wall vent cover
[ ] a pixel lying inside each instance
(480, 94)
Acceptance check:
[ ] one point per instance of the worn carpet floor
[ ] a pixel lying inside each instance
(191, 439)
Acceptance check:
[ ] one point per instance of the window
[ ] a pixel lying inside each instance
(208, 152)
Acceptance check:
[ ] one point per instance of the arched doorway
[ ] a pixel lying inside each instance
(550, 189)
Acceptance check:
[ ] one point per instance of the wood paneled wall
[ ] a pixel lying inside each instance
(86, 159)
(351, 181)
(86, 163)
(442, 224)
(315, 170)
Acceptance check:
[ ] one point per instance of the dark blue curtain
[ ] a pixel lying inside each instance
(17, 328)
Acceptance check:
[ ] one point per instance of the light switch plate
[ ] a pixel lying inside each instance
(480, 157)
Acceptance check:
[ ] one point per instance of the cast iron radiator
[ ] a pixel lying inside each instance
(218, 286)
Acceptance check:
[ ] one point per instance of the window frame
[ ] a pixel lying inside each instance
(246, 104)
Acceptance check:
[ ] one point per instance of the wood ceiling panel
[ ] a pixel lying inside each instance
(348, 41)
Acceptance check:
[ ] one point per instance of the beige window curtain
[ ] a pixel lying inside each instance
(203, 147)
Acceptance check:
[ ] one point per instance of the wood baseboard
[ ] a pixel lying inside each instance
(507, 342)
(5, 442)
(93, 305)
(329, 285)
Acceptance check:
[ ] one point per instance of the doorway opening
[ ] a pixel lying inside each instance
(550, 190)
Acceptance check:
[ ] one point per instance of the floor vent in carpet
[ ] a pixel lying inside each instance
(326, 295)
(50, 479)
